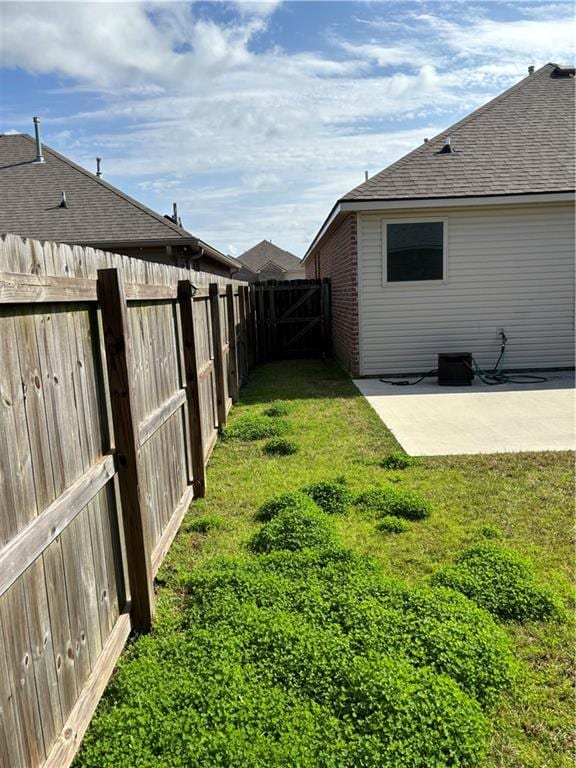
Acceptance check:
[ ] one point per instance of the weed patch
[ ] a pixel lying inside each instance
(280, 446)
(502, 581)
(392, 524)
(278, 408)
(270, 667)
(394, 501)
(490, 532)
(332, 497)
(254, 427)
(295, 501)
(397, 460)
(293, 529)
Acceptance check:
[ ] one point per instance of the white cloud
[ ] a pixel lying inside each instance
(160, 185)
(386, 55)
(526, 37)
(130, 44)
(251, 8)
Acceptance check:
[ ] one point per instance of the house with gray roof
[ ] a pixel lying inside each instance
(468, 235)
(46, 196)
(266, 261)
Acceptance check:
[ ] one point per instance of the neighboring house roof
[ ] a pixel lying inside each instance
(96, 214)
(520, 143)
(272, 268)
(260, 256)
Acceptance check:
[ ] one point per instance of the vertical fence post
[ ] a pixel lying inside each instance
(185, 301)
(274, 341)
(232, 348)
(326, 318)
(253, 344)
(243, 351)
(214, 293)
(120, 367)
(261, 323)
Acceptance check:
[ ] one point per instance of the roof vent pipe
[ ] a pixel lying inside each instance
(365, 175)
(175, 218)
(447, 148)
(98, 171)
(39, 158)
(531, 69)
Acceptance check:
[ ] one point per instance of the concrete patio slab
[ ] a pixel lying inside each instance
(429, 420)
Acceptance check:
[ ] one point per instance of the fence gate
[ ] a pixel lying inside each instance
(292, 318)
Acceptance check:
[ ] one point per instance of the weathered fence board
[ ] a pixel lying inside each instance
(115, 376)
(109, 392)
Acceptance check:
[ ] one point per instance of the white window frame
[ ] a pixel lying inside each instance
(403, 284)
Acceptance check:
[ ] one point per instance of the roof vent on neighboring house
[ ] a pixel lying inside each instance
(175, 219)
(531, 69)
(447, 147)
(98, 164)
(39, 157)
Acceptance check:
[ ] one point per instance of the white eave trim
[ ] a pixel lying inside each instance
(453, 202)
(350, 206)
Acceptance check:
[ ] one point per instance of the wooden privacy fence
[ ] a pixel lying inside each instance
(292, 319)
(115, 375)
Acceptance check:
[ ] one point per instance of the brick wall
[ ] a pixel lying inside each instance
(337, 258)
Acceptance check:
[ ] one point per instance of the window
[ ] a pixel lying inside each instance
(414, 251)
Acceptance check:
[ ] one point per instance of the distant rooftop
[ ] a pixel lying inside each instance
(263, 253)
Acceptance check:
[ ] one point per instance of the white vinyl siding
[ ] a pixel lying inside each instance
(508, 267)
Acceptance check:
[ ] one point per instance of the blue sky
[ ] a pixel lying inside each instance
(256, 117)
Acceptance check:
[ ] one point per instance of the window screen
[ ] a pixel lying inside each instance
(414, 251)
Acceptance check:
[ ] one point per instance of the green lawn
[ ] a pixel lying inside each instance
(525, 500)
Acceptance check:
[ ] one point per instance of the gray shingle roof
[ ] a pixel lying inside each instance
(259, 255)
(521, 142)
(97, 212)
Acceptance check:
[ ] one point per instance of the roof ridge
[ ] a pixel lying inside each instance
(271, 261)
(455, 126)
(269, 243)
(111, 188)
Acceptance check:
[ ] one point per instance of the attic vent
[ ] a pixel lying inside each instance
(563, 72)
(447, 148)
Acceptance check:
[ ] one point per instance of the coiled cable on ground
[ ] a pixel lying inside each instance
(491, 378)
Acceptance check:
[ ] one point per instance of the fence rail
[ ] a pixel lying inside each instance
(115, 375)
